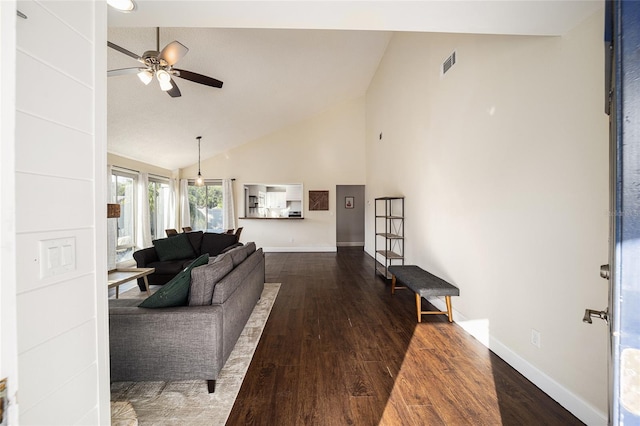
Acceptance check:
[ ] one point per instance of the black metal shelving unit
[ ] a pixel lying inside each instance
(389, 238)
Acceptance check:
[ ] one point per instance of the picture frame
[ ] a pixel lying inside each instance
(318, 200)
(349, 202)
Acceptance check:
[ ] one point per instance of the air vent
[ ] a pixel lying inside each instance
(448, 63)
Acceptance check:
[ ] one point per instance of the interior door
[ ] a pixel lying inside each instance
(623, 36)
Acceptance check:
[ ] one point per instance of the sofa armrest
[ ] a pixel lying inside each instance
(181, 343)
(145, 256)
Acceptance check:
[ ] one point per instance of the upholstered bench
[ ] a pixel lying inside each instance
(424, 284)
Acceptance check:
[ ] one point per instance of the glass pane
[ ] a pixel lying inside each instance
(162, 214)
(153, 208)
(158, 208)
(125, 187)
(205, 207)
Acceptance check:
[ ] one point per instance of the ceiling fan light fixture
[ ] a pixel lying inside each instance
(164, 78)
(145, 76)
(122, 5)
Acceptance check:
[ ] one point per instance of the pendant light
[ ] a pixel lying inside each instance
(199, 180)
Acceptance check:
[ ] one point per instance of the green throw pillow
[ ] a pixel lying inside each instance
(176, 291)
(174, 248)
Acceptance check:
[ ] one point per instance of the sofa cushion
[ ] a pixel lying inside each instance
(176, 291)
(237, 277)
(231, 247)
(172, 248)
(250, 248)
(204, 279)
(168, 267)
(238, 255)
(195, 238)
(214, 243)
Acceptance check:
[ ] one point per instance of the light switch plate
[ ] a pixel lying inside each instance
(535, 338)
(57, 256)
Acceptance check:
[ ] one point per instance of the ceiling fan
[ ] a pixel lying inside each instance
(159, 64)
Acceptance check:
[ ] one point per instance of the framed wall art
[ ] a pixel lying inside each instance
(318, 200)
(348, 202)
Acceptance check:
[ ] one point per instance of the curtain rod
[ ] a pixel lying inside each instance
(126, 169)
(153, 174)
(206, 179)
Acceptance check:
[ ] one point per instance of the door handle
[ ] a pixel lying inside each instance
(604, 272)
(591, 313)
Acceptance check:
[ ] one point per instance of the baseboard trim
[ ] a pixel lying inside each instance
(332, 249)
(572, 402)
(350, 244)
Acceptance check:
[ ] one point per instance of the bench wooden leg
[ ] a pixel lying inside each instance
(393, 284)
(449, 311)
(419, 307)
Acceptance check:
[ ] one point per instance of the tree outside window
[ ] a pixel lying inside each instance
(205, 206)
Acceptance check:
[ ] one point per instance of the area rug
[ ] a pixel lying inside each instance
(188, 402)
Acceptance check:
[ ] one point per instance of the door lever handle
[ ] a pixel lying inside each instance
(591, 313)
(604, 272)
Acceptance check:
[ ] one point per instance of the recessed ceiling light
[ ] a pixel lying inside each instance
(122, 5)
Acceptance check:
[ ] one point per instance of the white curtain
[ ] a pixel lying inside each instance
(170, 207)
(185, 216)
(143, 221)
(228, 210)
(112, 224)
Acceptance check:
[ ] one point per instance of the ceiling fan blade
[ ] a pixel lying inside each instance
(174, 92)
(125, 51)
(123, 71)
(198, 78)
(173, 52)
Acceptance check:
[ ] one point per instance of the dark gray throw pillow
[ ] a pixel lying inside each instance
(176, 291)
(215, 243)
(195, 238)
(174, 248)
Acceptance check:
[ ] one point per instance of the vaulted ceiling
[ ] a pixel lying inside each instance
(281, 62)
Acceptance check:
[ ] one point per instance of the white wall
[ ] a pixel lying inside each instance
(322, 152)
(60, 193)
(8, 329)
(504, 165)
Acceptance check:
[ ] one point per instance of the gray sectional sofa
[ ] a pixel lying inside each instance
(194, 341)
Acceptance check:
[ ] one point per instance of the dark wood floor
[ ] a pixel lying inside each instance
(338, 349)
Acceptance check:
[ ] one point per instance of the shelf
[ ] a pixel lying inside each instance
(390, 254)
(390, 236)
(389, 225)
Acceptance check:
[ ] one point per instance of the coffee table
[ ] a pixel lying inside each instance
(122, 275)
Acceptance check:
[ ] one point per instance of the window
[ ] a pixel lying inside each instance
(123, 185)
(205, 206)
(159, 206)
